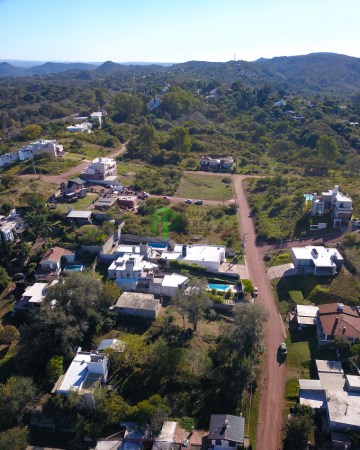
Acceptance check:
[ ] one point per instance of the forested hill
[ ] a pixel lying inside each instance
(318, 72)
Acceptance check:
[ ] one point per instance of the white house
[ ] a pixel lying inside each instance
(209, 256)
(8, 225)
(102, 170)
(80, 128)
(50, 265)
(142, 249)
(226, 431)
(8, 158)
(154, 103)
(97, 115)
(32, 298)
(316, 260)
(129, 269)
(86, 371)
(333, 201)
(280, 103)
(42, 145)
(216, 163)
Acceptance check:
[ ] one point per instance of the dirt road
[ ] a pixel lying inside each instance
(206, 202)
(272, 396)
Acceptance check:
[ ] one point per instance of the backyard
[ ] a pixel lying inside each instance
(205, 187)
(82, 203)
(293, 290)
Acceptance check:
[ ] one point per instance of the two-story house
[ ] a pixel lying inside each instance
(101, 170)
(50, 265)
(71, 186)
(333, 202)
(336, 319)
(86, 371)
(32, 298)
(207, 162)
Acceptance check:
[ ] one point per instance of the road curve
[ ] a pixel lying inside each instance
(272, 394)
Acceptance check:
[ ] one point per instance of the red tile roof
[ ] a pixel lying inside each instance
(54, 254)
(334, 320)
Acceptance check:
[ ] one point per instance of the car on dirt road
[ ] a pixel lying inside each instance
(166, 197)
(255, 293)
(198, 202)
(283, 350)
(188, 201)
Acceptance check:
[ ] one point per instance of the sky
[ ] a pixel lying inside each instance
(175, 30)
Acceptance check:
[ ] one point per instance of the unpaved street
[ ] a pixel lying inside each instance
(272, 396)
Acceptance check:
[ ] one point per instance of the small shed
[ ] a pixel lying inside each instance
(80, 216)
(306, 315)
(139, 305)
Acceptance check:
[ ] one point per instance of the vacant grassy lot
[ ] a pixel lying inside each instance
(277, 258)
(23, 187)
(300, 362)
(42, 165)
(128, 172)
(82, 203)
(204, 187)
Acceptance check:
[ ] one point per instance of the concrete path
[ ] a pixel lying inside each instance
(241, 269)
(285, 270)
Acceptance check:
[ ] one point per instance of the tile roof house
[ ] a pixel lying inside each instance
(226, 430)
(50, 265)
(336, 319)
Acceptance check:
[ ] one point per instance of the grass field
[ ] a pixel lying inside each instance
(204, 187)
(127, 172)
(82, 203)
(302, 348)
(23, 187)
(43, 166)
(278, 258)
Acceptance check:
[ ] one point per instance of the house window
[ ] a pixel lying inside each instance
(341, 205)
(232, 444)
(217, 442)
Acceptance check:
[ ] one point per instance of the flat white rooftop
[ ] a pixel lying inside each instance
(312, 385)
(307, 310)
(35, 292)
(353, 380)
(315, 399)
(329, 366)
(79, 215)
(344, 407)
(211, 253)
(173, 280)
(321, 256)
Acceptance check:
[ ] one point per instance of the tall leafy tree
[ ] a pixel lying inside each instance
(182, 139)
(327, 148)
(14, 395)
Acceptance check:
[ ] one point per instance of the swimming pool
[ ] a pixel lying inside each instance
(308, 197)
(219, 287)
(74, 268)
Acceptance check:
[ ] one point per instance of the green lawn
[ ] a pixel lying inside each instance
(204, 187)
(278, 258)
(302, 348)
(82, 203)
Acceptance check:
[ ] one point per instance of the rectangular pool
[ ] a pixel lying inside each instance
(74, 268)
(219, 287)
(308, 197)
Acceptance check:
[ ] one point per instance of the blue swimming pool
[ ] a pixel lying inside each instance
(219, 287)
(308, 197)
(155, 245)
(74, 268)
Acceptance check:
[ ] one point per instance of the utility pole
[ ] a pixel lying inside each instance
(277, 231)
(33, 165)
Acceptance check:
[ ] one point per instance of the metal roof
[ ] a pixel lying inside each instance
(79, 215)
(233, 431)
